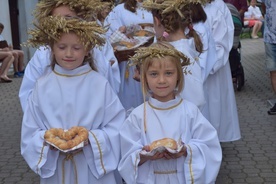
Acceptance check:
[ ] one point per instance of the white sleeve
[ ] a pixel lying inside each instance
(204, 157)
(131, 145)
(39, 157)
(33, 71)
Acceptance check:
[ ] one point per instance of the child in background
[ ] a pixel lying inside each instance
(207, 58)
(129, 13)
(102, 14)
(38, 66)
(171, 20)
(167, 115)
(72, 94)
(221, 96)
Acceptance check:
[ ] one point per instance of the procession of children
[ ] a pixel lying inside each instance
(167, 86)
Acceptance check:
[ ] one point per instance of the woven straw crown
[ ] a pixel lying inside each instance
(168, 6)
(83, 8)
(52, 27)
(153, 52)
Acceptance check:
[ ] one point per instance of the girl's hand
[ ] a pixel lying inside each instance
(122, 29)
(53, 148)
(183, 152)
(144, 158)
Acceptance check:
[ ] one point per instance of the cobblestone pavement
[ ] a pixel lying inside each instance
(249, 160)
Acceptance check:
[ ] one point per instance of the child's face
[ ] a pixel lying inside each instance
(69, 52)
(63, 11)
(161, 78)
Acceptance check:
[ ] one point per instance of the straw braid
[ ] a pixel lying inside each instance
(153, 52)
(51, 28)
(168, 6)
(83, 8)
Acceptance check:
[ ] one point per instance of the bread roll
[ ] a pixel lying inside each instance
(127, 44)
(143, 33)
(66, 139)
(166, 142)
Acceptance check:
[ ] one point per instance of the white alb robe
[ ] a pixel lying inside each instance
(39, 65)
(185, 122)
(66, 98)
(221, 96)
(207, 60)
(193, 83)
(130, 92)
(207, 57)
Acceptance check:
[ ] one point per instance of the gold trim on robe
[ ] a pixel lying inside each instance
(101, 154)
(190, 164)
(41, 156)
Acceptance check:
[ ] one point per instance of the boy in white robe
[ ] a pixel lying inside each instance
(103, 56)
(72, 94)
(167, 115)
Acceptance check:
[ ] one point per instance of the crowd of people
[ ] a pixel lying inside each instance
(179, 87)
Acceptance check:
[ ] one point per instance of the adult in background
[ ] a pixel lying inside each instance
(270, 43)
(18, 63)
(253, 17)
(241, 5)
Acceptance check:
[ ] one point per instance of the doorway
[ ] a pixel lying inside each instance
(14, 13)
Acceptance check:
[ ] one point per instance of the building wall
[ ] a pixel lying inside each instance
(5, 20)
(25, 9)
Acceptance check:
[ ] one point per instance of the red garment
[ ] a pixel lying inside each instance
(251, 22)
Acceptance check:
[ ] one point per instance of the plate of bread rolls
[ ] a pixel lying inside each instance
(164, 144)
(66, 140)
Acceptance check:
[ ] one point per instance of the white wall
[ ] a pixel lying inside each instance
(5, 20)
(26, 8)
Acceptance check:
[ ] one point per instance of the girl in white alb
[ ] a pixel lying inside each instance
(167, 115)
